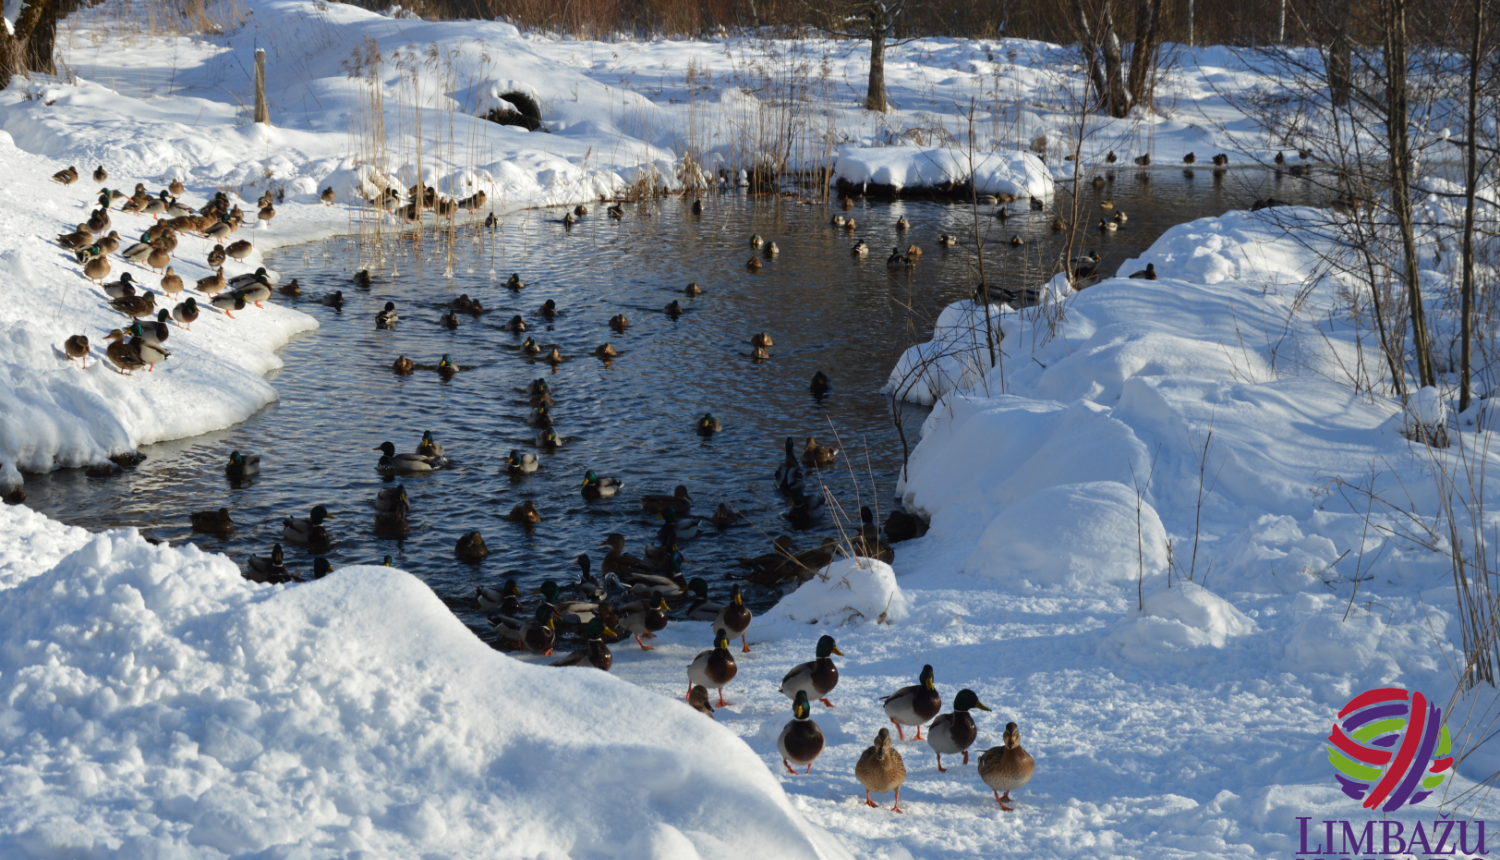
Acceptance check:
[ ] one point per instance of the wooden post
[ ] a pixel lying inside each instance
(262, 113)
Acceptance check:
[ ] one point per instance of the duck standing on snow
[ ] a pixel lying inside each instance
(121, 355)
(309, 531)
(915, 705)
(151, 355)
(714, 668)
(801, 741)
(229, 303)
(880, 769)
(538, 634)
(817, 678)
(955, 732)
(77, 346)
(186, 312)
(121, 288)
(1008, 767)
(645, 619)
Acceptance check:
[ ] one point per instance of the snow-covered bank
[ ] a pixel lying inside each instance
(169, 708)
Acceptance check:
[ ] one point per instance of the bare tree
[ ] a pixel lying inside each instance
(875, 20)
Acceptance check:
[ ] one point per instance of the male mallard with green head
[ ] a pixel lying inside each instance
(519, 463)
(646, 620)
(800, 741)
(594, 652)
(309, 531)
(816, 678)
(714, 668)
(240, 467)
(915, 705)
(538, 634)
(595, 487)
(955, 732)
(708, 425)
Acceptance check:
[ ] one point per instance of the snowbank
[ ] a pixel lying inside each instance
(157, 704)
(911, 168)
(1183, 625)
(849, 591)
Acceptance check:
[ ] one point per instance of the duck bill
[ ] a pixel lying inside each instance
(837, 651)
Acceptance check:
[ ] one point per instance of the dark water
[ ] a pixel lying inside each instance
(633, 418)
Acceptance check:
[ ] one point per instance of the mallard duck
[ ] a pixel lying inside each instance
(1143, 160)
(760, 353)
(616, 211)
(80, 238)
(387, 318)
(531, 347)
(214, 232)
(859, 249)
(915, 705)
(171, 283)
(816, 678)
(308, 531)
(158, 258)
(947, 241)
(708, 425)
(595, 487)
(335, 299)
(240, 467)
(761, 339)
(804, 510)
(291, 288)
(152, 355)
(753, 264)
(800, 741)
(1148, 273)
(846, 203)
(265, 214)
(698, 700)
(548, 439)
(138, 252)
(212, 522)
(1107, 226)
(1016, 241)
(121, 354)
(697, 207)
(121, 288)
(403, 366)
(568, 221)
(239, 250)
(594, 652)
(1037, 204)
(229, 303)
(524, 513)
(619, 322)
(673, 309)
(789, 475)
(214, 284)
(1007, 768)
(269, 569)
(677, 529)
(548, 310)
(67, 176)
(837, 221)
(617, 562)
(896, 259)
(733, 618)
(714, 668)
(815, 456)
(327, 196)
(756, 241)
(1097, 181)
(77, 346)
(1121, 217)
(771, 250)
(245, 281)
(1107, 205)
(1086, 266)
(868, 542)
(1189, 158)
(109, 243)
(394, 522)
(538, 634)
(955, 732)
(692, 290)
(880, 769)
(521, 464)
(516, 325)
(1220, 160)
(392, 463)
(580, 210)
(388, 498)
(606, 351)
(493, 599)
(143, 305)
(540, 416)
(96, 269)
(820, 384)
(471, 548)
(554, 357)
(321, 567)
(724, 517)
(646, 620)
(152, 332)
(1280, 159)
(680, 501)
(514, 282)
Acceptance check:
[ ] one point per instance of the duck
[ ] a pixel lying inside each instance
(619, 322)
(80, 238)
(388, 498)
(239, 250)
(216, 231)
(266, 213)
(548, 310)
(902, 225)
(387, 318)
(121, 288)
(753, 264)
(820, 383)
(915, 705)
(803, 513)
(616, 211)
(430, 447)
(868, 542)
(446, 368)
(1220, 160)
(646, 620)
(66, 176)
(880, 769)
(1107, 205)
(732, 618)
(185, 313)
(395, 522)
(815, 456)
(308, 531)
(1189, 158)
(1107, 226)
(860, 249)
(724, 517)
(606, 351)
(151, 355)
(328, 196)
(955, 733)
(1097, 181)
(524, 513)
(392, 463)
(692, 290)
(448, 320)
(212, 522)
(403, 366)
(540, 416)
(760, 353)
(817, 677)
(1111, 158)
(756, 241)
(143, 305)
(362, 278)
(240, 467)
(171, 283)
(837, 221)
(677, 529)
(538, 634)
(334, 299)
(152, 332)
(789, 475)
(715, 668)
(121, 354)
(708, 425)
(896, 260)
(771, 250)
(521, 464)
(673, 309)
(595, 487)
(158, 258)
(1007, 767)
(138, 252)
(493, 599)
(1086, 266)
(109, 243)
(77, 346)
(681, 501)
(549, 439)
(580, 210)
(214, 284)
(1280, 159)
(268, 569)
(947, 241)
(1148, 273)
(1143, 160)
(1003, 214)
(617, 562)
(698, 701)
(1121, 217)
(291, 288)
(1016, 241)
(96, 269)
(594, 652)
(229, 303)
(514, 282)
(471, 548)
(516, 325)
(257, 291)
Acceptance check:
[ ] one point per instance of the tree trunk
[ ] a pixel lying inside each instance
(1280, 22)
(1114, 64)
(1190, 23)
(1339, 49)
(1140, 50)
(1401, 162)
(1091, 50)
(1471, 188)
(875, 97)
(41, 38)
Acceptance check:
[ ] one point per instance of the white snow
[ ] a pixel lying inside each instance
(850, 591)
(899, 167)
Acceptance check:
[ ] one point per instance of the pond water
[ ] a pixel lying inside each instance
(632, 418)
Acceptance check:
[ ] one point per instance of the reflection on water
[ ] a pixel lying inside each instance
(632, 418)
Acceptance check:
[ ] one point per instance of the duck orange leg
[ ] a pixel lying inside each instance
(644, 646)
(722, 703)
(941, 769)
(789, 769)
(745, 640)
(899, 731)
(897, 806)
(966, 756)
(919, 732)
(869, 802)
(825, 702)
(809, 769)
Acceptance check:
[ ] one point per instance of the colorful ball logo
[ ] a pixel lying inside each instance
(1390, 748)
